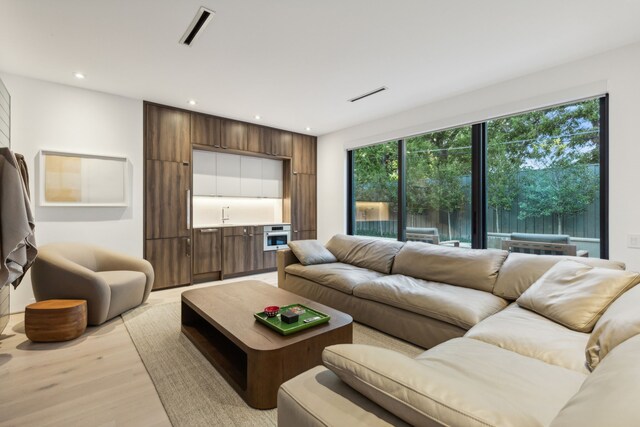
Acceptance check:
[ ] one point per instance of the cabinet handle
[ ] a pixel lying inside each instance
(189, 209)
(188, 247)
(208, 230)
(250, 235)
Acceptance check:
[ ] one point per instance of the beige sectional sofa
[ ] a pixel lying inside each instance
(491, 362)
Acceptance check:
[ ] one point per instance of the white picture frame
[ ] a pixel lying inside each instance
(82, 180)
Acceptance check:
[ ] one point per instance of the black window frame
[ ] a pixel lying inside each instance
(479, 182)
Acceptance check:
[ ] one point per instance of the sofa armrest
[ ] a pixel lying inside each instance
(112, 261)
(60, 278)
(284, 257)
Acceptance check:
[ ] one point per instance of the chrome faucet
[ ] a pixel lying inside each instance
(225, 214)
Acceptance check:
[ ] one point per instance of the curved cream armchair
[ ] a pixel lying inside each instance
(111, 282)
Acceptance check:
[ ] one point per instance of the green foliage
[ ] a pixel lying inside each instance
(558, 191)
(376, 173)
(436, 165)
(538, 158)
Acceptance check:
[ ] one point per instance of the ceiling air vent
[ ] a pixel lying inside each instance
(364, 95)
(199, 23)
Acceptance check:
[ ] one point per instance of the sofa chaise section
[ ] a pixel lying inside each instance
(462, 382)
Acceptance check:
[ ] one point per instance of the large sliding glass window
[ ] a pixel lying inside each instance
(533, 182)
(544, 178)
(375, 190)
(438, 186)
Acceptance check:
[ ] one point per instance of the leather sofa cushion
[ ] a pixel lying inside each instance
(527, 333)
(339, 276)
(318, 398)
(365, 252)
(520, 271)
(311, 252)
(470, 268)
(460, 382)
(620, 322)
(456, 305)
(609, 396)
(575, 294)
(127, 290)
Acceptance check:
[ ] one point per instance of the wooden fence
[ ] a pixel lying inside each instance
(583, 225)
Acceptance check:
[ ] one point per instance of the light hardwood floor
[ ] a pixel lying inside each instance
(95, 380)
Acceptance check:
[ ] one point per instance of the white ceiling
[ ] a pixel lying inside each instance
(296, 62)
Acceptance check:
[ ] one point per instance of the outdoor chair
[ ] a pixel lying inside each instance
(428, 235)
(542, 244)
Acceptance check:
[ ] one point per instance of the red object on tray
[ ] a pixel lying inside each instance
(271, 311)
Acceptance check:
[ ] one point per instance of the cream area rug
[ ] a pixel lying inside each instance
(190, 388)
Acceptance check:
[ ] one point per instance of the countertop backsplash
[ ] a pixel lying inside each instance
(207, 211)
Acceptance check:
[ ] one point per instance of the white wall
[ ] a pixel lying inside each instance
(615, 72)
(64, 118)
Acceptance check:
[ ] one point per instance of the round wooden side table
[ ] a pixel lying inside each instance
(55, 320)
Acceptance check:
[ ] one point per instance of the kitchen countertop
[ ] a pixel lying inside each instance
(233, 224)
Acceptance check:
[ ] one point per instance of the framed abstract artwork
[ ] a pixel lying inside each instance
(72, 179)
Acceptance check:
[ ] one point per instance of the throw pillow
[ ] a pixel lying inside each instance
(575, 294)
(620, 322)
(311, 252)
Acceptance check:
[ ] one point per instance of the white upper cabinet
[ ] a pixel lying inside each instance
(232, 175)
(250, 176)
(228, 174)
(204, 173)
(272, 178)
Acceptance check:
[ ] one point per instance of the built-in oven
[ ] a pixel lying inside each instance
(276, 237)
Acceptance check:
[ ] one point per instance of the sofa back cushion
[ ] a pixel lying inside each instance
(311, 252)
(520, 271)
(365, 252)
(575, 294)
(470, 268)
(620, 322)
(609, 396)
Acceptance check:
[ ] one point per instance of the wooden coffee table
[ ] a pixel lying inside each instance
(254, 359)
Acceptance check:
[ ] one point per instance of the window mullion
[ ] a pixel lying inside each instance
(479, 185)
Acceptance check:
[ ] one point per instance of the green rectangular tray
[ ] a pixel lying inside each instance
(289, 328)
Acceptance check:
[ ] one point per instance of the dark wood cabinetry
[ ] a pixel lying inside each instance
(167, 199)
(269, 260)
(303, 205)
(242, 249)
(167, 134)
(304, 154)
(258, 140)
(281, 143)
(167, 195)
(303, 188)
(206, 130)
(171, 260)
(234, 135)
(207, 250)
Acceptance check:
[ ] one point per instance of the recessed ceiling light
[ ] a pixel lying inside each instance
(308, 128)
(257, 116)
(192, 102)
(78, 75)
